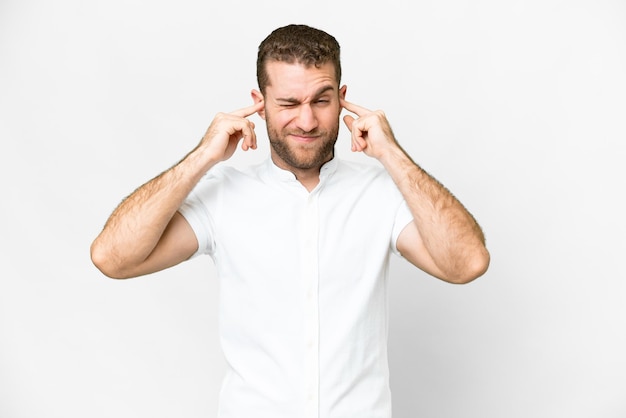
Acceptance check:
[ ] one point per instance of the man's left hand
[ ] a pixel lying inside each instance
(371, 132)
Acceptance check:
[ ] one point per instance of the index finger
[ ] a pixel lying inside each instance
(351, 107)
(250, 110)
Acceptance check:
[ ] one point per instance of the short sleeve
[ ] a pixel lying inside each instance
(403, 218)
(196, 210)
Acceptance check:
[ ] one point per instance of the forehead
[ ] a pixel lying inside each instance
(298, 80)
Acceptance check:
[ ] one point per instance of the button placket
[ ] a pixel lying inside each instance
(310, 287)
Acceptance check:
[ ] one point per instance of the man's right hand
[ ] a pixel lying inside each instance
(145, 233)
(227, 129)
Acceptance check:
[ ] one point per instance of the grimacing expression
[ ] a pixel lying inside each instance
(303, 157)
(302, 114)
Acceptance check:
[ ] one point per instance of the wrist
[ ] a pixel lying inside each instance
(200, 160)
(394, 157)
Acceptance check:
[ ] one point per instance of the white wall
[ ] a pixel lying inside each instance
(518, 107)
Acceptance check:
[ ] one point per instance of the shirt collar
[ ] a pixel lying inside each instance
(280, 174)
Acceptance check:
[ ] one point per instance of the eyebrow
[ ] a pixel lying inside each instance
(317, 94)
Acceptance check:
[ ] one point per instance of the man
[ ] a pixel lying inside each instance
(301, 242)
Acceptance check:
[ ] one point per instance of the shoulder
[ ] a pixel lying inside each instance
(227, 185)
(218, 180)
(362, 172)
(363, 180)
(223, 172)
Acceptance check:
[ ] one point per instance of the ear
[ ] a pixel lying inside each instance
(342, 92)
(258, 97)
(342, 97)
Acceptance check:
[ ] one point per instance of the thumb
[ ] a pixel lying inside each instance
(348, 120)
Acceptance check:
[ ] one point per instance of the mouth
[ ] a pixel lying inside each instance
(304, 138)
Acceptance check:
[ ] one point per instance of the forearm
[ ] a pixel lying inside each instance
(143, 234)
(137, 224)
(444, 238)
(447, 230)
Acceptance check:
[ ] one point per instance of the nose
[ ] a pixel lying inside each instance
(306, 119)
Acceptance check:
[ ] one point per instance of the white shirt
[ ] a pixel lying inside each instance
(303, 287)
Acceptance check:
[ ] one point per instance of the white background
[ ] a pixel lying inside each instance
(519, 107)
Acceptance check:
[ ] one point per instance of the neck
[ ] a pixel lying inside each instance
(308, 177)
(309, 181)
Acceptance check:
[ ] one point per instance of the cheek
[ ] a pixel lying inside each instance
(329, 116)
(281, 117)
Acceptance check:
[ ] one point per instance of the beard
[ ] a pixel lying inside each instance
(303, 156)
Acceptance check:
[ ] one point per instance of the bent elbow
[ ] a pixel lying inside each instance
(473, 269)
(103, 260)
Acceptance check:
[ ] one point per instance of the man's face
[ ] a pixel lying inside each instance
(302, 114)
